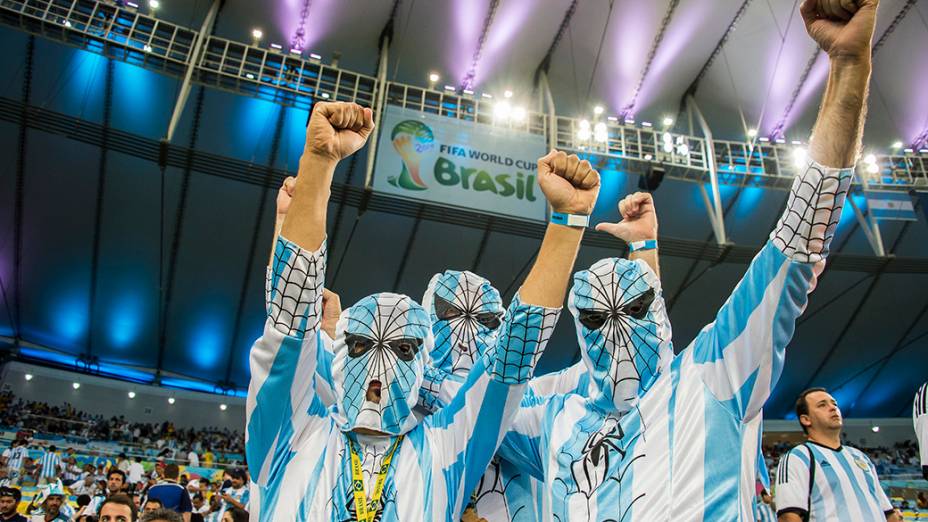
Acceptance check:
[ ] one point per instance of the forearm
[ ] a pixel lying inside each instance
(546, 284)
(649, 257)
(837, 134)
(278, 224)
(306, 218)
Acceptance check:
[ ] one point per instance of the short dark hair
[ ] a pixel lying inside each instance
(116, 471)
(83, 500)
(171, 471)
(238, 515)
(802, 406)
(52, 448)
(162, 515)
(7, 491)
(237, 473)
(122, 500)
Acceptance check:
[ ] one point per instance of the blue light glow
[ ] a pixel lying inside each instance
(132, 90)
(125, 320)
(256, 126)
(295, 136)
(206, 344)
(89, 68)
(45, 355)
(69, 316)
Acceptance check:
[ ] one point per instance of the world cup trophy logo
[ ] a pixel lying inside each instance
(410, 139)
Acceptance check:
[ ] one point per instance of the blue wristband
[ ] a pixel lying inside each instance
(647, 244)
(570, 220)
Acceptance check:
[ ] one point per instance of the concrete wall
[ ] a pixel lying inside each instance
(110, 398)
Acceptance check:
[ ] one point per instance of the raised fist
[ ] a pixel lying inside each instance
(338, 129)
(569, 184)
(285, 195)
(639, 219)
(842, 28)
(331, 310)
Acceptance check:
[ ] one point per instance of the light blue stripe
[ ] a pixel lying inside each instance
(865, 507)
(732, 318)
(721, 468)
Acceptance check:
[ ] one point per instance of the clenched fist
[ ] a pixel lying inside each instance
(338, 129)
(639, 219)
(569, 184)
(842, 28)
(331, 310)
(285, 195)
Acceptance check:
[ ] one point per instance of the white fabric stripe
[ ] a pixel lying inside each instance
(752, 349)
(852, 509)
(688, 448)
(749, 469)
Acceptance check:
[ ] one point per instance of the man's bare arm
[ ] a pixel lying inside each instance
(335, 131)
(571, 187)
(846, 37)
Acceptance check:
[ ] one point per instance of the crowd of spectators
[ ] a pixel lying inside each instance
(80, 483)
(164, 439)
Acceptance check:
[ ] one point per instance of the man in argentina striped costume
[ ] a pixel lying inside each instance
(670, 457)
(823, 480)
(466, 312)
(920, 418)
(367, 457)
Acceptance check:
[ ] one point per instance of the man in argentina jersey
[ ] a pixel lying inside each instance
(49, 466)
(674, 455)
(823, 480)
(367, 457)
(14, 457)
(920, 418)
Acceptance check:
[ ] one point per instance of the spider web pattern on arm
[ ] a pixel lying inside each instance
(807, 226)
(294, 288)
(522, 339)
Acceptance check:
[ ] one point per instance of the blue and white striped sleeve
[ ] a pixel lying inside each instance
(438, 388)
(792, 487)
(920, 418)
(281, 399)
(470, 428)
(573, 379)
(741, 354)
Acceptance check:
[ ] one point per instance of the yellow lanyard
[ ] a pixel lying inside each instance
(367, 511)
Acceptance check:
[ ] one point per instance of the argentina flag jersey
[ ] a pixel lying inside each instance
(686, 448)
(844, 485)
(296, 448)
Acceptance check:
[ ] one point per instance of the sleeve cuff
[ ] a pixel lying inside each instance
(803, 514)
(294, 288)
(813, 209)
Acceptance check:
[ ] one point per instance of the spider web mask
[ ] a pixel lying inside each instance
(381, 346)
(622, 328)
(466, 313)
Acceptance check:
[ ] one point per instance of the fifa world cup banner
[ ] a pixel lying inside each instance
(465, 164)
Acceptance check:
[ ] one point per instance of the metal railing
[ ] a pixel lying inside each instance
(289, 79)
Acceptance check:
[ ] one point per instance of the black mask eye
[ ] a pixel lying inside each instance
(405, 349)
(358, 345)
(489, 319)
(593, 319)
(445, 310)
(638, 308)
